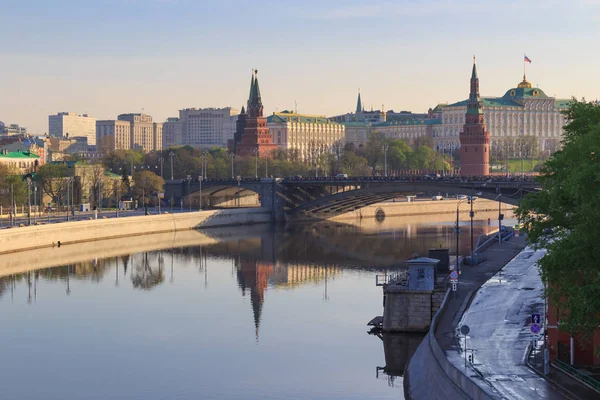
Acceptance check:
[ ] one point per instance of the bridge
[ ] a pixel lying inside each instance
(321, 198)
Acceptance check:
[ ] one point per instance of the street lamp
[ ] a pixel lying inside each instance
(189, 179)
(232, 155)
(255, 151)
(385, 148)
(205, 162)
(29, 199)
(457, 230)
(171, 155)
(471, 200)
(266, 165)
(239, 178)
(200, 203)
(162, 161)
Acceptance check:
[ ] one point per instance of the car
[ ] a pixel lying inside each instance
(342, 176)
(437, 198)
(433, 176)
(461, 196)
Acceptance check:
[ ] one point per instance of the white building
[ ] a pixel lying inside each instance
(305, 133)
(522, 111)
(200, 127)
(113, 135)
(70, 124)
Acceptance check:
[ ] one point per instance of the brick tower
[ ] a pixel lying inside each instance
(474, 138)
(256, 133)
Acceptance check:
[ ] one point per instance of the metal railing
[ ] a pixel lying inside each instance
(574, 372)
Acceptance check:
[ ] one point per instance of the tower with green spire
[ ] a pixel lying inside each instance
(474, 138)
(359, 107)
(255, 136)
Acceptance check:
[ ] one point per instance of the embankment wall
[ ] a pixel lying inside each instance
(51, 235)
(423, 207)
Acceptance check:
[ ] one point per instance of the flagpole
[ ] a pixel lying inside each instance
(524, 74)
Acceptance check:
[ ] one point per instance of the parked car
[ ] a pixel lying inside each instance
(437, 198)
(342, 176)
(461, 196)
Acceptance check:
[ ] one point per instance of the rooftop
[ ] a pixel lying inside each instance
(18, 154)
(289, 116)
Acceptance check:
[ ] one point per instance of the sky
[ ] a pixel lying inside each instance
(107, 57)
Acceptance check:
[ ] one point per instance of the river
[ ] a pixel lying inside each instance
(253, 313)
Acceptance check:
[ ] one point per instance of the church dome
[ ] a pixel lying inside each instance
(525, 90)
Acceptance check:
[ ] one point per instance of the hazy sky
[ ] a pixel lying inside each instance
(106, 57)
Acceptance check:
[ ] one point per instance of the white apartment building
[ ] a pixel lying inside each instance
(70, 124)
(201, 127)
(305, 133)
(113, 135)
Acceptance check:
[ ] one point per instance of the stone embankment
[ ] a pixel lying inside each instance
(68, 233)
(421, 207)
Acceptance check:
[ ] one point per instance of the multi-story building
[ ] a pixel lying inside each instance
(113, 135)
(201, 127)
(172, 132)
(157, 135)
(12, 130)
(68, 124)
(305, 133)
(141, 131)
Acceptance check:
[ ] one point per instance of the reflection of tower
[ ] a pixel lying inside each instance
(254, 276)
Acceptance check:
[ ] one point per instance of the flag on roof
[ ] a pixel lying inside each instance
(527, 60)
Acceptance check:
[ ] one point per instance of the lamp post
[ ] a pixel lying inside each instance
(29, 200)
(500, 218)
(232, 155)
(200, 197)
(162, 161)
(457, 230)
(266, 165)
(171, 155)
(189, 179)
(255, 151)
(205, 162)
(385, 148)
(239, 178)
(471, 214)
(68, 197)
(35, 203)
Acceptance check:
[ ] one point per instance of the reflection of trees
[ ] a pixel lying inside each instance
(144, 277)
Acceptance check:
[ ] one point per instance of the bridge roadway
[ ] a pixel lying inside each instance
(293, 198)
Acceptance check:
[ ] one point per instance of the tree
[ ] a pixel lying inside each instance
(146, 186)
(568, 206)
(354, 165)
(10, 179)
(52, 179)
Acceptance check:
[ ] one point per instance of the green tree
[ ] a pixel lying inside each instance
(10, 179)
(568, 205)
(51, 177)
(146, 186)
(354, 165)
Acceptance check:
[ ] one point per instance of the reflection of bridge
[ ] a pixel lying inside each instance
(327, 197)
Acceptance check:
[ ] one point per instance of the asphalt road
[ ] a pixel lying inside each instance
(499, 319)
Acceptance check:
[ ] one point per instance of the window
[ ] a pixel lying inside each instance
(421, 272)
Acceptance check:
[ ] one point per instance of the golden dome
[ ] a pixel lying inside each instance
(524, 84)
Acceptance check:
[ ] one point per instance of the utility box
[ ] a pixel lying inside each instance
(444, 256)
(85, 207)
(421, 273)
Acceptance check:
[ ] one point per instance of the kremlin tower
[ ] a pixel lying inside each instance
(474, 138)
(252, 133)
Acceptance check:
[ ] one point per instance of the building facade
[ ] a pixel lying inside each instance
(522, 111)
(113, 135)
(141, 131)
(21, 161)
(255, 137)
(201, 127)
(68, 124)
(305, 133)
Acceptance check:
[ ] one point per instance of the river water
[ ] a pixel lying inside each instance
(251, 313)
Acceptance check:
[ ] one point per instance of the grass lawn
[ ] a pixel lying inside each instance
(514, 165)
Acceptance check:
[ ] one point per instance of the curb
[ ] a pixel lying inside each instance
(565, 392)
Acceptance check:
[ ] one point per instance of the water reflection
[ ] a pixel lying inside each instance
(268, 304)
